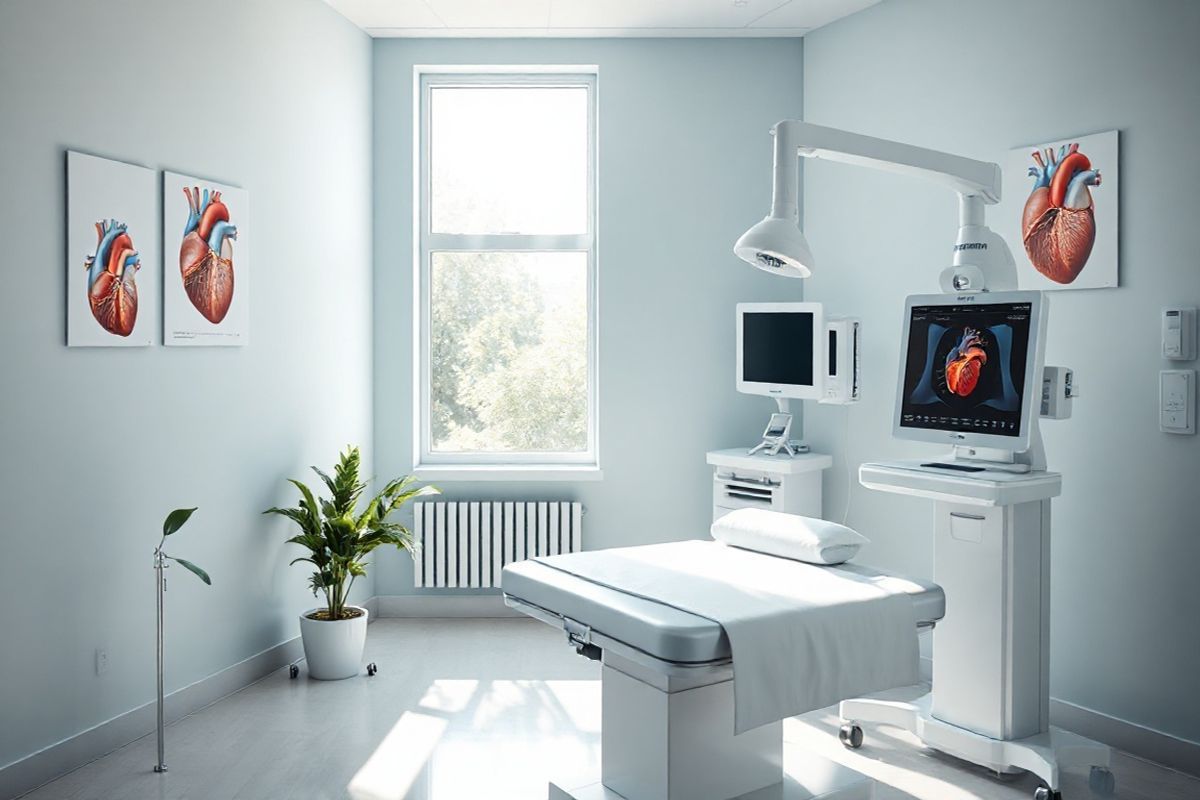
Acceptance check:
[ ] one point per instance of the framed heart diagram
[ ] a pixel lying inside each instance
(206, 262)
(112, 260)
(1060, 212)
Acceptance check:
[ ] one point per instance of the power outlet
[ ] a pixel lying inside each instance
(101, 661)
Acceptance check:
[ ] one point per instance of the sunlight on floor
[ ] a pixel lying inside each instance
(819, 735)
(402, 756)
(469, 738)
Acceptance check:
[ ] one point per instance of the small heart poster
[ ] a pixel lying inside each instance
(112, 257)
(206, 262)
(1059, 212)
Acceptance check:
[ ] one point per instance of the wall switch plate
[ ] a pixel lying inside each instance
(1179, 334)
(1177, 401)
(101, 661)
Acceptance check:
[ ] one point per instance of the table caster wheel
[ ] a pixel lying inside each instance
(372, 669)
(1045, 793)
(293, 672)
(851, 736)
(1102, 781)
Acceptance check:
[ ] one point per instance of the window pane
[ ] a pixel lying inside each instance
(508, 352)
(509, 159)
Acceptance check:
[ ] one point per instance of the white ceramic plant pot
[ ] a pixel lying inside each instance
(333, 648)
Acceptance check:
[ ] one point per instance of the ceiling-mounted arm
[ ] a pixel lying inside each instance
(981, 258)
(963, 175)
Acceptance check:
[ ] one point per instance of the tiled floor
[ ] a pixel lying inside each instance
(466, 709)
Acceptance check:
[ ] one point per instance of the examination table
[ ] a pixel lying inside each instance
(667, 690)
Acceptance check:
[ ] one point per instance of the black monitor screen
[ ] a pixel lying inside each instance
(777, 347)
(965, 368)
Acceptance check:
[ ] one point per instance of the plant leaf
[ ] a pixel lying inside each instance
(410, 494)
(309, 505)
(176, 519)
(199, 573)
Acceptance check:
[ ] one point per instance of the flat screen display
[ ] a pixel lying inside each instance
(965, 368)
(777, 347)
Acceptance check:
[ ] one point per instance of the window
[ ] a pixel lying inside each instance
(506, 272)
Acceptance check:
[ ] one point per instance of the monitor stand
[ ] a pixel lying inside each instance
(965, 460)
(990, 697)
(773, 445)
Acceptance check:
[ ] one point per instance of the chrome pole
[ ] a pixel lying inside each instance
(161, 582)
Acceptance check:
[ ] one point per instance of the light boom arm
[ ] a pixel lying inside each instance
(981, 259)
(963, 175)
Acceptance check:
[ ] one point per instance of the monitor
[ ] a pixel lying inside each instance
(970, 369)
(779, 349)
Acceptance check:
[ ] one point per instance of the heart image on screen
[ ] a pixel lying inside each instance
(111, 287)
(1058, 224)
(206, 254)
(964, 363)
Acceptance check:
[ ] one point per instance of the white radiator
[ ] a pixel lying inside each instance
(465, 545)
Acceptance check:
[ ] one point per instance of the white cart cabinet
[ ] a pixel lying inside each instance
(791, 484)
(990, 702)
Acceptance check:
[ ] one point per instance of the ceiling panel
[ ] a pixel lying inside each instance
(387, 13)
(657, 13)
(810, 13)
(577, 18)
(492, 13)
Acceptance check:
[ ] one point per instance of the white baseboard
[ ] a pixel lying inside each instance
(1138, 740)
(483, 605)
(58, 759)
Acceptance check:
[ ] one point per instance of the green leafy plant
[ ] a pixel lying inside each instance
(174, 521)
(338, 537)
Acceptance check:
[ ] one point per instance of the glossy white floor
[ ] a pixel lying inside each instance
(467, 709)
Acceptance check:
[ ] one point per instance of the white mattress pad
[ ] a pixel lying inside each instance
(660, 630)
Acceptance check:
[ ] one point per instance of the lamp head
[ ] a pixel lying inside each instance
(776, 245)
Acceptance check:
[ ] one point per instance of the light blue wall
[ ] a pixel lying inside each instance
(97, 445)
(978, 78)
(684, 161)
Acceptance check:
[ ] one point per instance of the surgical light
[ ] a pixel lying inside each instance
(981, 260)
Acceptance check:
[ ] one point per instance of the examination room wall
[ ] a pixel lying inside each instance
(978, 78)
(99, 444)
(683, 159)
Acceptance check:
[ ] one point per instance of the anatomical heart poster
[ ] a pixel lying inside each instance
(112, 256)
(1059, 212)
(206, 262)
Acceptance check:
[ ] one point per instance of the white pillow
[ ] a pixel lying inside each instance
(816, 541)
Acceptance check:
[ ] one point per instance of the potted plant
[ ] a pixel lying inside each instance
(338, 538)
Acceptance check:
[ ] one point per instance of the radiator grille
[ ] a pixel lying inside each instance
(466, 544)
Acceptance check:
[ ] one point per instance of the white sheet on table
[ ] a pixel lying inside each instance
(802, 636)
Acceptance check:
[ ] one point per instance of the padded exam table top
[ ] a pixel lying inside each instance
(663, 631)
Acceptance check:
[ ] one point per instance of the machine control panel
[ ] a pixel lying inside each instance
(1177, 401)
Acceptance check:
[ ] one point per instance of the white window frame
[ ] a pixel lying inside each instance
(496, 466)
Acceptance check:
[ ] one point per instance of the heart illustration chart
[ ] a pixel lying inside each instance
(1067, 216)
(206, 270)
(112, 263)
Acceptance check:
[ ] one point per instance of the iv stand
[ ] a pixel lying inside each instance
(160, 581)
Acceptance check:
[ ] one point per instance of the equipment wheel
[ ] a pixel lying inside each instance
(851, 735)
(1046, 793)
(293, 672)
(372, 669)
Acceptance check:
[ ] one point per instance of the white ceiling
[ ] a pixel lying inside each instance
(511, 18)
